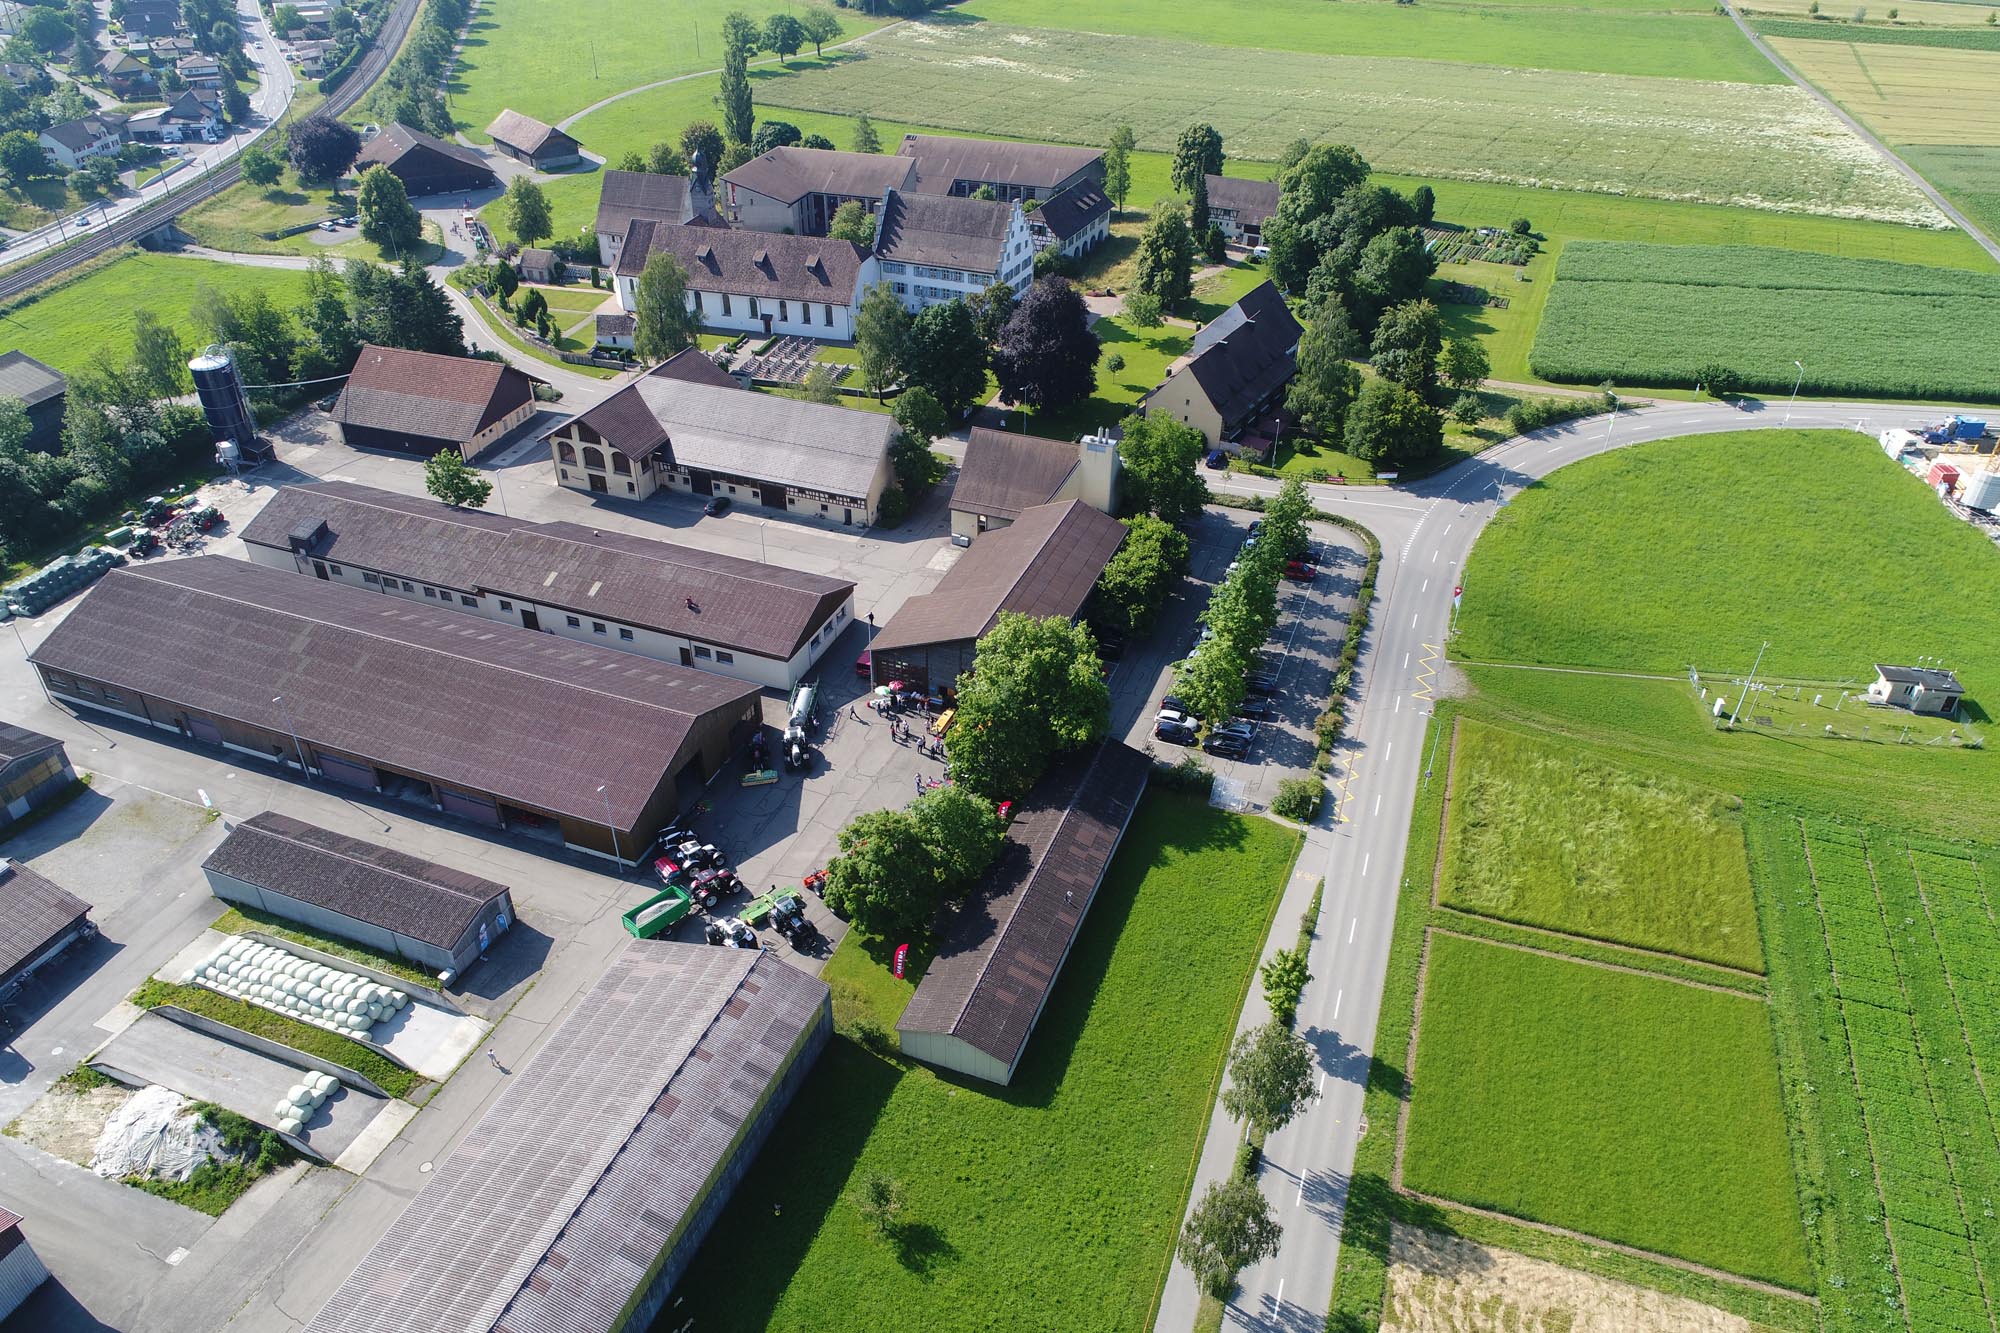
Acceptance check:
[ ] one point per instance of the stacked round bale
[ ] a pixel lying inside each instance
(304, 1098)
(297, 987)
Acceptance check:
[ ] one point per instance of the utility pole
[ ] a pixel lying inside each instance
(1795, 391)
(1747, 684)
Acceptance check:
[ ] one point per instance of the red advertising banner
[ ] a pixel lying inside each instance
(896, 967)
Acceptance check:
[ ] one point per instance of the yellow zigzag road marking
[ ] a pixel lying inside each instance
(1343, 786)
(1426, 672)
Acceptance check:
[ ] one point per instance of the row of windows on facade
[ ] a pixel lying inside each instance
(574, 622)
(940, 274)
(61, 682)
(594, 458)
(756, 312)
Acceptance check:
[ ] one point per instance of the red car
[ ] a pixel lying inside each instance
(1300, 572)
(864, 665)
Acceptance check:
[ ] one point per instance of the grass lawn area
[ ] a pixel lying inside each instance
(237, 220)
(1689, 44)
(241, 1014)
(1051, 1203)
(501, 325)
(1538, 835)
(551, 58)
(1630, 1107)
(236, 920)
(69, 326)
(1147, 353)
(1697, 550)
(572, 299)
(1217, 292)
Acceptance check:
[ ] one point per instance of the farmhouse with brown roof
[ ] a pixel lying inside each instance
(420, 402)
(424, 163)
(1234, 377)
(1241, 207)
(1021, 171)
(755, 281)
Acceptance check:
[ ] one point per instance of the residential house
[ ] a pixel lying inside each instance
(125, 74)
(152, 18)
(1011, 170)
(1075, 222)
(936, 248)
(200, 71)
(618, 330)
(23, 78)
(194, 114)
(753, 281)
(757, 622)
(43, 391)
(798, 189)
(419, 402)
(75, 142)
(528, 140)
(1241, 207)
(1004, 475)
(1045, 563)
(686, 426)
(165, 50)
(1233, 379)
(425, 164)
(629, 196)
(314, 58)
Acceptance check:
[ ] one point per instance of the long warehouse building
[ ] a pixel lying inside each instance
(579, 1199)
(756, 622)
(494, 723)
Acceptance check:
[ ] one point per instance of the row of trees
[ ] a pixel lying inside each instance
(410, 88)
(1242, 611)
(1040, 348)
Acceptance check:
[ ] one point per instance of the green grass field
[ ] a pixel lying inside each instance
(1654, 315)
(1660, 138)
(1048, 1204)
(70, 326)
(1539, 837)
(1967, 39)
(552, 58)
(1691, 44)
(1968, 175)
(1634, 1108)
(1694, 551)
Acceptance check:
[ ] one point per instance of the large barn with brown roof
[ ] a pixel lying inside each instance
(423, 403)
(1005, 473)
(754, 281)
(798, 189)
(1044, 564)
(424, 163)
(528, 140)
(1011, 169)
(761, 623)
(493, 723)
(984, 992)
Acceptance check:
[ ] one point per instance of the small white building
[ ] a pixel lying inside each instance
(752, 281)
(1925, 690)
(934, 248)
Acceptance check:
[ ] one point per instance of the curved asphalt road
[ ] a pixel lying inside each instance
(1426, 530)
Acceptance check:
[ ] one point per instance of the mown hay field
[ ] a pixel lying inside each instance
(1696, 550)
(1656, 314)
(1907, 94)
(1761, 146)
(1629, 1107)
(1538, 835)
(1695, 43)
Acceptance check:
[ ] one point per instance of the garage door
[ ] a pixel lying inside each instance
(348, 772)
(204, 730)
(470, 807)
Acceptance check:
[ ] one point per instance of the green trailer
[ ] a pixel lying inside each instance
(659, 912)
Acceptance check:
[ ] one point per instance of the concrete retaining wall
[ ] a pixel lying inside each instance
(275, 1050)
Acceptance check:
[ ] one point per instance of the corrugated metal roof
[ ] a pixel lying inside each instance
(548, 1216)
(814, 446)
(1004, 949)
(34, 910)
(23, 377)
(762, 609)
(361, 880)
(19, 743)
(1043, 564)
(486, 707)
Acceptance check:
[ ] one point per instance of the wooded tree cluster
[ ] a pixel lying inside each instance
(1039, 692)
(409, 90)
(896, 868)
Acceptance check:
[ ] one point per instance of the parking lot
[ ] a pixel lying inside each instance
(1299, 657)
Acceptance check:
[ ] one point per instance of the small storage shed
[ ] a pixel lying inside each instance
(38, 920)
(21, 1269)
(1919, 689)
(34, 769)
(438, 918)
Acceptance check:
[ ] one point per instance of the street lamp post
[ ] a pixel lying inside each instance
(617, 852)
(1795, 391)
(297, 745)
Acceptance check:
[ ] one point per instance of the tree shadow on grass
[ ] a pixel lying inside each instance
(921, 1248)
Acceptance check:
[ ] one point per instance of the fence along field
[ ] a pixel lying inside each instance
(1655, 314)
(1897, 1056)
(1538, 835)
(1761, 146)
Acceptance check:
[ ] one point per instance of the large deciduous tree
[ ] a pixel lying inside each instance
(775, 133)
(897, 866)
(1162, 459)
(1405, 348)
(852, 222)
(527, 210)
(1270, 1078)
(783, 35)
(1394, 267)
(261, 167)
(944, 353)
(1198, 154)
(320, 148)
(1135, 584)
(1391, 427)
(388, 218)
(1046, 357)
(447, 477)
(1324, 388)
(1165, 263)
(1464, 365)
(881, 327)
(1230, 1229)
(821, 26)
(662, 324)
(1038, 691)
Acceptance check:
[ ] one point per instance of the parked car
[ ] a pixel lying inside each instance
(1216, 460)
(1256, 710)
(864, 665)
(1178, 717)
(1172, 732)
(717, 505)
(1232, 741)
(1261, 682)
(1260, 253)
(1300, 572)
(329, 225)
